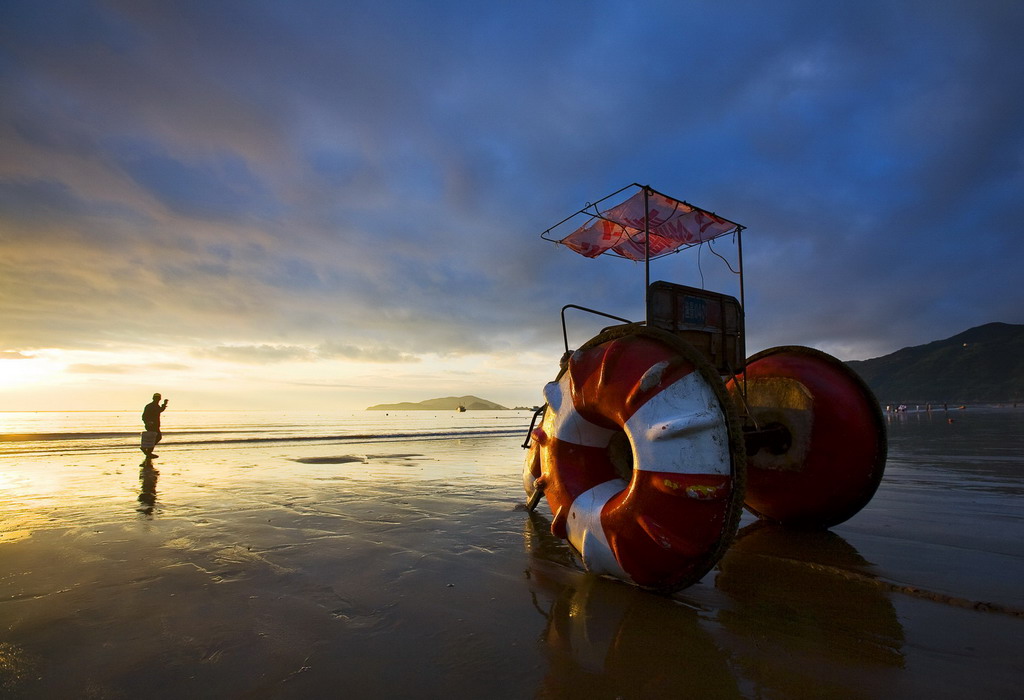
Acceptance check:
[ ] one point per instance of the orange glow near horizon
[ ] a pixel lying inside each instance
(72, 380)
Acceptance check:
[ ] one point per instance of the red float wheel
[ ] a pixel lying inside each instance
(832, 462)
(640, 458)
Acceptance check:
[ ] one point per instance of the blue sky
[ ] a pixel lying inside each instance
(333, 204)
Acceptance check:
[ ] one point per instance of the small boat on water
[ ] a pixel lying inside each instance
(461, 409)
(657, 432)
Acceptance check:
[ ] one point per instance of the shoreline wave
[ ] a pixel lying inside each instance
(48, 443)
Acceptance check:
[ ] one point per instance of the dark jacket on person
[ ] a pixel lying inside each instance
(151, 415)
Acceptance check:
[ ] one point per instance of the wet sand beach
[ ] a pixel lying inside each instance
(403, 568)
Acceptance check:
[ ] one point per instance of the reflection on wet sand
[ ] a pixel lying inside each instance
(607, 639)
(15, 667)
(805, 602)
(147, 487)
(801, 610)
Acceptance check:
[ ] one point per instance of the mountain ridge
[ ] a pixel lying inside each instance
(984, 364)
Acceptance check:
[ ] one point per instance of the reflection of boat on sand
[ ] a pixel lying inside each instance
(797, 610)
(800, 610)
(805, 594)
(603, 639)
(656, 433)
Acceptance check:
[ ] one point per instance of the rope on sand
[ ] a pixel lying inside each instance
(913, 591)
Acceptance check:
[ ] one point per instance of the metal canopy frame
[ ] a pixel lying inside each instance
(593, 210)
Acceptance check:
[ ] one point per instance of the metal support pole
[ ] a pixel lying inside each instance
(647, 255)
(739, 245)
(743, 310)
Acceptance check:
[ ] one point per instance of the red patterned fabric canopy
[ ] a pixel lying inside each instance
(620, 230)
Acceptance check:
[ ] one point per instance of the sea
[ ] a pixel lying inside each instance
(103, 432)
(388, 554)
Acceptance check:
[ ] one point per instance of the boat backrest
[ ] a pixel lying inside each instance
(710, 322)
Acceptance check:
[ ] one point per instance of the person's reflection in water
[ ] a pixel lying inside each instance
(147, 487)
(808, 606)
(605, 638)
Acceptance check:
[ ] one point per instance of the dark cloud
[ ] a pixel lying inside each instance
(308, 180)
(221, 188)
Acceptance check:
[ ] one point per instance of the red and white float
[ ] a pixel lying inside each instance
(640, 457)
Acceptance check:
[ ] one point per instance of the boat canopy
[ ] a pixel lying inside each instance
(646, 226)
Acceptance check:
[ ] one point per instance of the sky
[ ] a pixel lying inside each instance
(259, 204)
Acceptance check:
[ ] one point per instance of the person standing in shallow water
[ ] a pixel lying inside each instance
(151, 418)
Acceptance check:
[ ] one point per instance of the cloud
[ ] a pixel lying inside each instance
(380, 354)
(13, 355)
(87, 368)
(354, 181)
(213, 188)
(258, 354)
(269, 354)
(110, 368)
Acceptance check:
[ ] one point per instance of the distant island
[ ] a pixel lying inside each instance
(448, 403)
(981, 365)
